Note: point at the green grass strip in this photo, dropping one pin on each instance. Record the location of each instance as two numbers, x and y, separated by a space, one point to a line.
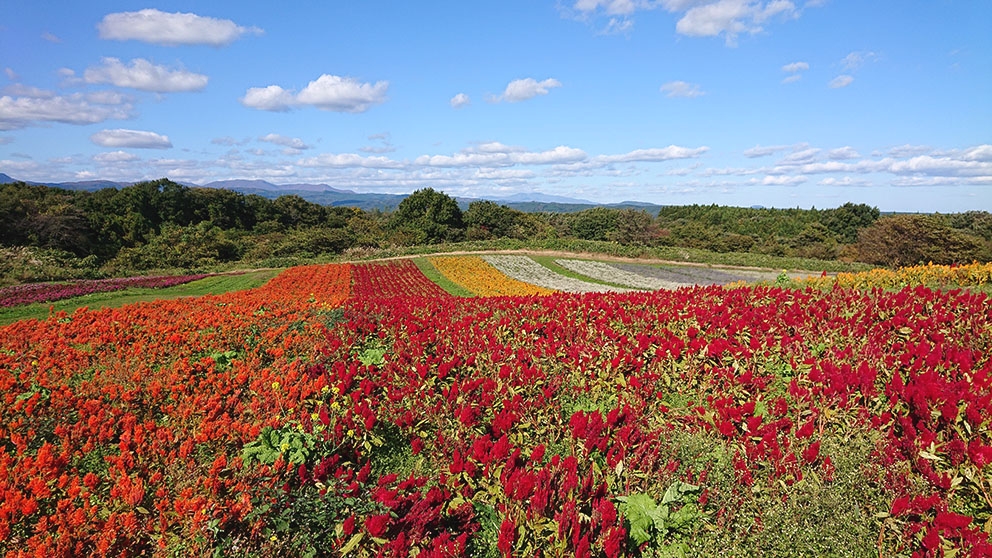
431 272
218 284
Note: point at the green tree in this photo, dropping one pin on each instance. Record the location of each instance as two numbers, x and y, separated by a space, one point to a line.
848 219
594 224
635 227
429 215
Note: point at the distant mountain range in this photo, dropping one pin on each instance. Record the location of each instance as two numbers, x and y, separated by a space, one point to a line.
531 202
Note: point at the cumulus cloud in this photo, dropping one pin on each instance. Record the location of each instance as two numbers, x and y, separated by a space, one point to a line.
350 160
115 157
27 106
142 74
783 180
171 29
844 181
491 157
841 81
460 100
328 92
271 98
528 88
682 89
841 153
291 143
131 138
907 150
731 18
800 156
763 151
697 18
653 155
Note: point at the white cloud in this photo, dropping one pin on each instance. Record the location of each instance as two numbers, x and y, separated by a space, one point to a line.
349 160
272 98
131 138
795 70
50 37
528 88
682 89
171 29
855 60
800 156
654 154
841 81
291 143
907 150
764 151
731 18
460 100
328 92
228 140
115 157
846 152
4 140
497 155
342 94
978 153
142 74
618 25
783 180
27 106
697 18
844 181
794 67
11 74
497 147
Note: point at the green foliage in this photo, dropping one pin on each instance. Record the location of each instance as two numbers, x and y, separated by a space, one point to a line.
662 524
294 445
907 240
428 216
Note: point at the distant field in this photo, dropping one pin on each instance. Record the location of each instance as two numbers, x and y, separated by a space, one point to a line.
217 284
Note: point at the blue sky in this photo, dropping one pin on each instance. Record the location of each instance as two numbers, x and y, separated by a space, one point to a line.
766 102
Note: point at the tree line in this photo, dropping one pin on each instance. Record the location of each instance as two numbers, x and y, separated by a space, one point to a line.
162 224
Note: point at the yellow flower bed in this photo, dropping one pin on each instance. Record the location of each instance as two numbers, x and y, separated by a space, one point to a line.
930 275
476 275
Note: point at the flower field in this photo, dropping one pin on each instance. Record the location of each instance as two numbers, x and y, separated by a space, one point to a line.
482 279
523 268
936 276
50 292
606 272
359 410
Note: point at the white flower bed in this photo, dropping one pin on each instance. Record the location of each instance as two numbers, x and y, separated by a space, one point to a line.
522 268
610 274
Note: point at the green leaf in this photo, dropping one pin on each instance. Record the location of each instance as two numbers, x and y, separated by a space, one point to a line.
352 543
676 491
639 511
